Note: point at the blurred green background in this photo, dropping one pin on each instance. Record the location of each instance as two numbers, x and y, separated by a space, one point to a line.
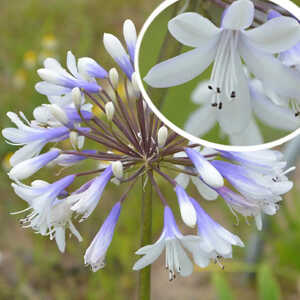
31 267
156 48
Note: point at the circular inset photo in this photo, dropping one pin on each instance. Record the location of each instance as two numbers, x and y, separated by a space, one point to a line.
225 72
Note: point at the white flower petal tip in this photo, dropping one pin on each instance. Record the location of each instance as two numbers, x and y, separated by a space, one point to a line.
109 110
181 68
162 136
276 35
117 169
239 15
208 173
192 29
187 209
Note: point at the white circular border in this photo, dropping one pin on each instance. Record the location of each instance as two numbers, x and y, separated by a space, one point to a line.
286 4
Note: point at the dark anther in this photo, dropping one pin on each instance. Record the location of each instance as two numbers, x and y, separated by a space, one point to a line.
220 105
297 114
218 90
233 94
210 87
214 104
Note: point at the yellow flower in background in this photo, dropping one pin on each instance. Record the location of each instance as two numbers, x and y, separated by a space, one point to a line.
49 42
19 79
30 59
6 166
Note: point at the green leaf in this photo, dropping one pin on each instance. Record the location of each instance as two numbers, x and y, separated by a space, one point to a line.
223 290
268 287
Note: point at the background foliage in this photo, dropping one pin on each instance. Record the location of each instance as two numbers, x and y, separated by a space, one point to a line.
31 266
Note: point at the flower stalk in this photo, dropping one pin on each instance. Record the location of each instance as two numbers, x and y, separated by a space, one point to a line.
144 281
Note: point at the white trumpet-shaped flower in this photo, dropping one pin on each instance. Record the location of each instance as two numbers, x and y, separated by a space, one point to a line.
226 46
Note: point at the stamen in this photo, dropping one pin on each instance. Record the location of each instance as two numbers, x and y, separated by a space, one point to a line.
224 77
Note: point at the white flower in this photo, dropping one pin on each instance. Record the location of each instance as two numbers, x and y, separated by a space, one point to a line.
33 138
28 167
60 216
86 198
177 261
96 252
216 240
41 196
225 46
58 81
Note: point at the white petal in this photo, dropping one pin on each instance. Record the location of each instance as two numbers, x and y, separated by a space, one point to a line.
60 237
26 152
153 253
250 136
130 37
235 115
113 46
270 70
239 15
181 68
52 64
276 35
202 94
75 231
204 190
183 180
49 89
194 244
191 29
71 64
201 121
273 115
186 266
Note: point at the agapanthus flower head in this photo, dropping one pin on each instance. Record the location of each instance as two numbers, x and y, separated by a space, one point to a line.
126 142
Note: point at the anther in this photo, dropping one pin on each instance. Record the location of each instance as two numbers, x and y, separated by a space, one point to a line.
218 90
214 104
233 94
220 105
210 87
297 114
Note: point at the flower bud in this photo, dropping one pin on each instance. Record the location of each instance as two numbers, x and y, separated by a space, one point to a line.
109 110
132 93
162 136
74 139
117 169
59 114
76 97
114 78
135 83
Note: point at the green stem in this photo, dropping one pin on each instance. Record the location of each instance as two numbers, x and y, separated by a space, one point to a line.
144 282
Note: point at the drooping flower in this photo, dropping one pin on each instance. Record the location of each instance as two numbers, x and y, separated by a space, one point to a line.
60 215
226 46
216 240
171 239
41 196
96 252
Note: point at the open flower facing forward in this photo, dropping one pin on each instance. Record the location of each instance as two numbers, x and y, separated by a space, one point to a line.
227 47
124 143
